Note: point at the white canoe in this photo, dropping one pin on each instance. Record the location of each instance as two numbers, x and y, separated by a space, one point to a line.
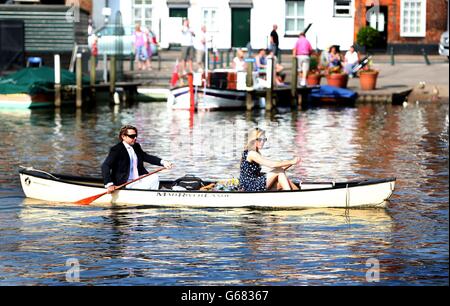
64 188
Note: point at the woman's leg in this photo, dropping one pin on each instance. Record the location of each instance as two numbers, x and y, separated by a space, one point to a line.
272 181
277 177
293 186
284 182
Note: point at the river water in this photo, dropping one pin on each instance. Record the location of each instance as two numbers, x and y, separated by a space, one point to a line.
405 244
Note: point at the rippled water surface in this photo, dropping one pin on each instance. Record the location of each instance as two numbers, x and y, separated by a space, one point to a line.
173 246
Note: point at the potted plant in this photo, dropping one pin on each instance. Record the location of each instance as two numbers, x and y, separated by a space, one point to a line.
368 77
336 77
313 77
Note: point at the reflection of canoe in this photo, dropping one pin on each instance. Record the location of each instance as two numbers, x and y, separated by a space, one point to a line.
63 188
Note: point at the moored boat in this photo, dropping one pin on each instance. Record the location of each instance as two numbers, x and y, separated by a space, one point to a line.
34 88
51 187
224 89
207 98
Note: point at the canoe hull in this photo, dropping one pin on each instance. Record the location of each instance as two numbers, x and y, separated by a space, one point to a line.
369 193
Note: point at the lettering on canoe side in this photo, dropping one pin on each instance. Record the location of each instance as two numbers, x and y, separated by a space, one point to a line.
28 182
191 195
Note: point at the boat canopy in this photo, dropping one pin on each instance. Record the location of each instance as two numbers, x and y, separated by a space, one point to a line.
35 80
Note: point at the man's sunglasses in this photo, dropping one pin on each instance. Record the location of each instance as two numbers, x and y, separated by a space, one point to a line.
132 136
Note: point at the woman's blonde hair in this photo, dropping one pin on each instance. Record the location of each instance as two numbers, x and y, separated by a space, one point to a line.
137 27
252 136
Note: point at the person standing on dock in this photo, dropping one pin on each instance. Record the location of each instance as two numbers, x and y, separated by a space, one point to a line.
200 49
139 47
302 51
148 48
274 41
125 162
187 47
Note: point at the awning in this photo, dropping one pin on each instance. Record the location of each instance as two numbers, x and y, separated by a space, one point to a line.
178 3
241 3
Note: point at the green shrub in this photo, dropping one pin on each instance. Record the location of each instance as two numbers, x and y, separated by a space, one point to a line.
368 37
313 63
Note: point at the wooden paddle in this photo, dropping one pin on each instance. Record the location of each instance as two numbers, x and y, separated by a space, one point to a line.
91 199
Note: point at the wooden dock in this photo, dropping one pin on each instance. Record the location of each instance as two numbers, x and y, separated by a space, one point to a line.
394 95
282 96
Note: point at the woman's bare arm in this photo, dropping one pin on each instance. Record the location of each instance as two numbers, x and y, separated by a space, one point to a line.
257 158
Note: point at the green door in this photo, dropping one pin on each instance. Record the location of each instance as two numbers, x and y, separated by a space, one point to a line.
240 27
178 12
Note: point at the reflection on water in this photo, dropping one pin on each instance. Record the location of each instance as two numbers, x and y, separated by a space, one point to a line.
166 246
240 246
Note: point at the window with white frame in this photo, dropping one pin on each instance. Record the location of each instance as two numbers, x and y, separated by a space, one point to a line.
413 18
295 17
342 8
142 12
209 19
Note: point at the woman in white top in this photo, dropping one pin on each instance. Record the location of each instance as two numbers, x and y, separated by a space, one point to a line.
351 60
238 63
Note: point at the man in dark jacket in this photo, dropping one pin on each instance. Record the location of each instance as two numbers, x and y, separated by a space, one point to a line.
125 162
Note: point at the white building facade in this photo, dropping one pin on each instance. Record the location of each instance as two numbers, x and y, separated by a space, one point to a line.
230 23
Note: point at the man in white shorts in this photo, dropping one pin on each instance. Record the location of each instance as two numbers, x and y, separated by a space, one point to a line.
302 51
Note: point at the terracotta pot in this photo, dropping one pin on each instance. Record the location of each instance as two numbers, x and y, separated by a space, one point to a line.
368 80
337 80
313 79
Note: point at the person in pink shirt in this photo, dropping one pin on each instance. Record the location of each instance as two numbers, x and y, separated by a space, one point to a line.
302 51
139 47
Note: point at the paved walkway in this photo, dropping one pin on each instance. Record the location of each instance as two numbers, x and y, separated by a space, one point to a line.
423 78
410 71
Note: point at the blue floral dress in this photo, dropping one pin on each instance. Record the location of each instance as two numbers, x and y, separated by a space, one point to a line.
251 178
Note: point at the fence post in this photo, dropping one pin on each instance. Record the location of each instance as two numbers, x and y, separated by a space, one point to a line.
249 83
112 71
392 56
427 61
79 86
57 80
294 80
270 81
93 72
131 62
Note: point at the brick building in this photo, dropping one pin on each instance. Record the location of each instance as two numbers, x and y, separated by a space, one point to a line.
406 25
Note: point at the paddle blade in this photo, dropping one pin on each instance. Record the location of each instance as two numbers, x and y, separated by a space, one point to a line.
89 200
